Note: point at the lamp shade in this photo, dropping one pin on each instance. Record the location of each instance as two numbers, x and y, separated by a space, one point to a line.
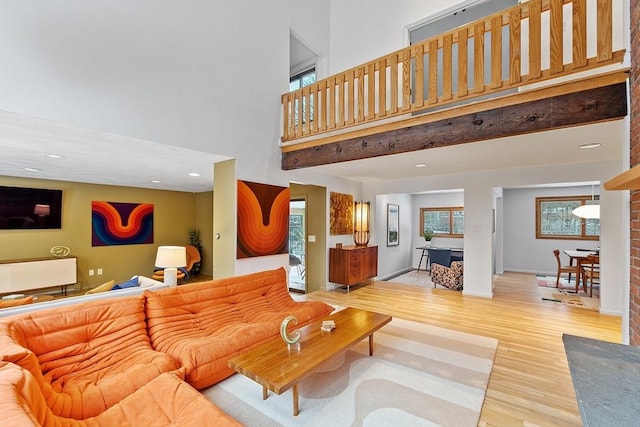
361 223
171 256
587 211
42 210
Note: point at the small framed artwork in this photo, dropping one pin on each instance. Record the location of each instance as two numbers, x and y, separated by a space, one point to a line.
393 225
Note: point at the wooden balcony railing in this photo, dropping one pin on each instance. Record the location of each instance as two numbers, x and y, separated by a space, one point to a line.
480 58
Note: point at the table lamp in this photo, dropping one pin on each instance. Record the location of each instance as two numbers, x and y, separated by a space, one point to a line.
361 223
170 258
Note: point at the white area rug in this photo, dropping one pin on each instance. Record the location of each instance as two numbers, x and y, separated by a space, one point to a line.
419 375
414 277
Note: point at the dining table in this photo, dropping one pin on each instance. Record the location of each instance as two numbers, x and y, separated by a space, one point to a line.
579 257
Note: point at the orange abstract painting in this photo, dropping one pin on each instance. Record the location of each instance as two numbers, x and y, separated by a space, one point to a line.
263 220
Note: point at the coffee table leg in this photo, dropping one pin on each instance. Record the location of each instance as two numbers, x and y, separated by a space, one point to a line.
296 409
265 393
371 345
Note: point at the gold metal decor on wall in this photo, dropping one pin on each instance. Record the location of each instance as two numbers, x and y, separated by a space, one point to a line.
340 213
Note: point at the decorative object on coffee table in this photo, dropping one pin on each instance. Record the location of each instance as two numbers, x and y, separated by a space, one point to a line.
292 341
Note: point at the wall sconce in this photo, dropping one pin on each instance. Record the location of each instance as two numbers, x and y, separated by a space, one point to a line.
361 223
169 258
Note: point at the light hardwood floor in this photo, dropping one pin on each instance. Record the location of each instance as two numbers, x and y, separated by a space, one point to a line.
530 384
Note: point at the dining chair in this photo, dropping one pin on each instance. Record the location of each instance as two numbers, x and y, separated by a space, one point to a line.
591 273
440 256
564 269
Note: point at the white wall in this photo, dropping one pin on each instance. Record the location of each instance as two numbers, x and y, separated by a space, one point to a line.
363 30
396 258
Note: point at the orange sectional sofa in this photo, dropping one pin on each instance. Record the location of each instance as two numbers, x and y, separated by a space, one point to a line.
165 401
205 324
101 362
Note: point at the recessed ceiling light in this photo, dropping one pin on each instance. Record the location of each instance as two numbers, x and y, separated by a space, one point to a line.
591 145
194 174
155 181
33 169
421 165
54 156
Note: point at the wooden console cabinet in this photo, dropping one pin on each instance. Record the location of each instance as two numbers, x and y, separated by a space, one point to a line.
352 264
37 273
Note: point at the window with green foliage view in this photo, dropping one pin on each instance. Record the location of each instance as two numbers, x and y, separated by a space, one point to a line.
555 220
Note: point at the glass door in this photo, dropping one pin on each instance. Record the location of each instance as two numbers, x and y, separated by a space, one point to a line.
297 237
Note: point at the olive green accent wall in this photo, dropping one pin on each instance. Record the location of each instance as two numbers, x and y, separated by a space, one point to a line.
174 216
224 218
204 224
316 257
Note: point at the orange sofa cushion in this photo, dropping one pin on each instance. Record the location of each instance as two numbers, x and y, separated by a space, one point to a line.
164 401
87 357
204 324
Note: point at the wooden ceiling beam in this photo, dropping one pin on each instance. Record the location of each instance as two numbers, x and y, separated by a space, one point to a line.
588 106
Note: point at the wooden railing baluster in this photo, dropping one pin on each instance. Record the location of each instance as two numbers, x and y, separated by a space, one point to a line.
433 72
406 80
579 33
496 52
463 62
514 47
393 82
478 57
604 30
535 47
418 60
447 66
382 88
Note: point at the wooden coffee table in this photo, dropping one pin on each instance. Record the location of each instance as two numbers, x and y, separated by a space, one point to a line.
278 369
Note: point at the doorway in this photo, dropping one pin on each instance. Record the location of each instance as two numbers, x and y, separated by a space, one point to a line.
297 247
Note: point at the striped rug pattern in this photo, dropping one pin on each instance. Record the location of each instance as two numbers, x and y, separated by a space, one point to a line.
419 375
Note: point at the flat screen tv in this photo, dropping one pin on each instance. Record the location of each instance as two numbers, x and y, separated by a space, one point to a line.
23 208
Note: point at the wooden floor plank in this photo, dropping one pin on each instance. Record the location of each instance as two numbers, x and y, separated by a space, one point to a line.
530 383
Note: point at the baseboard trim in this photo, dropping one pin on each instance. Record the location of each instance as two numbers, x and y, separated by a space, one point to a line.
394 274
478 294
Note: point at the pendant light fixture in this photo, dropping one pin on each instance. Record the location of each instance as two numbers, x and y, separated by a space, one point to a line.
590 210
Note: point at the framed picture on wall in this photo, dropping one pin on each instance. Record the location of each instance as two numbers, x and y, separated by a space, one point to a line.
393 225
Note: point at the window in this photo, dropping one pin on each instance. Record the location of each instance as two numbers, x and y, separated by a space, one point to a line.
302 79
554 219
444 222
299 81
